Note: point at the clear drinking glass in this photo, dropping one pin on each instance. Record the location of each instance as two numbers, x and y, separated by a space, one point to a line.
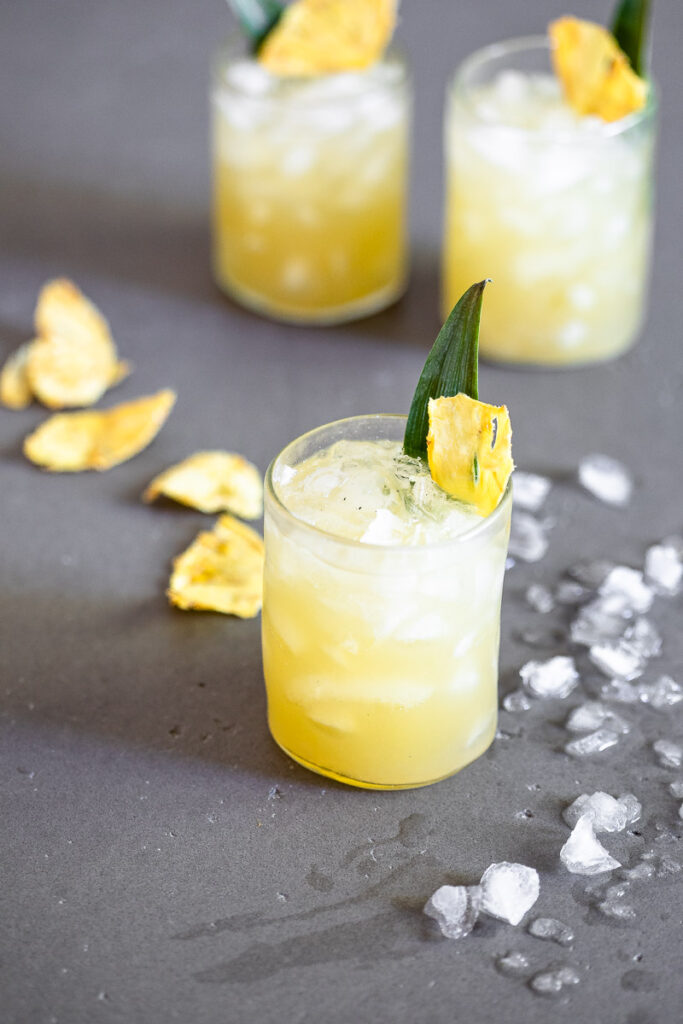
556 208
381 662
310 180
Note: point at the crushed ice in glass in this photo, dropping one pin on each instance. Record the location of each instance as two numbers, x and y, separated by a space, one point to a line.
529 490
664 569
509 891
516 701
606 479
540 598
528 539
592 715
669 754
592 743
455 908
582 854
556 677
552 929
551 983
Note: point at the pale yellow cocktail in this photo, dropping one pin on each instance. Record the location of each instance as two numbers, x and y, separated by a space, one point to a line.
554 206
381 610
309 194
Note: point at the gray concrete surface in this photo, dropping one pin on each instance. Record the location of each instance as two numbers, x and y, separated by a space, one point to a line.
147 876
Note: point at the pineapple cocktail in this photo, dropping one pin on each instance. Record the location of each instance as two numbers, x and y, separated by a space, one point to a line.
309 194
556 206
382 600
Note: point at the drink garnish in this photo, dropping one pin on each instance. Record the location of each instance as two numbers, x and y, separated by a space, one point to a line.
257 18
466 442
313 37
629 28
596 75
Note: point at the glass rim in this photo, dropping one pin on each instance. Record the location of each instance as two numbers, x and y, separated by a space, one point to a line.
234 49
459 87
487 524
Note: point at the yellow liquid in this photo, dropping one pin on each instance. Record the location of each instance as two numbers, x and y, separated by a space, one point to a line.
309 218
562 228
379 679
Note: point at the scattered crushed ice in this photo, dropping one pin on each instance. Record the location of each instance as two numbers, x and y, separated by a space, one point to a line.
606 812
606 479
552 929
662 694
529 490
632 806
455 908
591 574
540 598
617 659
582 854
551 983
556 677
628 584
592 743
664 568
513 963
644 637
640 872
570 592
669 754
602 619
516 701
592 715
509 891
528 539
676 789
620 911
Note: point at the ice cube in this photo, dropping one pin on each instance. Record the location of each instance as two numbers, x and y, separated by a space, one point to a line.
556 677
676 789
629 584
602 619
644 638
606 478
551 983
664 568
455 908
516 701
624 693
606 812
620 911
527 538
540 598
593 743
592 715
668 754
529 490
618 659
662 694
513 963
640 872
582 854
632 807
552 929
509 891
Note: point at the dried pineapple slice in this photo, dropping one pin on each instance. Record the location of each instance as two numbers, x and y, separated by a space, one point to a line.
94 439
221 571
15 390
317 36
469 450
73 361
595 73
213 481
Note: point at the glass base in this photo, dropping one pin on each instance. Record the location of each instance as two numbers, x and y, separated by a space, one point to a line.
363 784
321 317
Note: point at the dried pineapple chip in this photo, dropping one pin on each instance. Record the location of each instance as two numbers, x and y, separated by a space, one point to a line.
212 482
73 361
595 73
94 439
317 36
469 450
15 391
221 571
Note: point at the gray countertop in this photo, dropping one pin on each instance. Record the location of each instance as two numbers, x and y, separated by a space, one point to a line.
161 858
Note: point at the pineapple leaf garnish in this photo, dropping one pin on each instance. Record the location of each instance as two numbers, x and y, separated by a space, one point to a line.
629 28
451 367
256 18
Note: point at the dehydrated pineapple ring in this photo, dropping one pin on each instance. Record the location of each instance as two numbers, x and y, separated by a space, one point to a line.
213 481
317 36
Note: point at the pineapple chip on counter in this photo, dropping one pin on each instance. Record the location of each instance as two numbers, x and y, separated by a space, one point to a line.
73 359
94 439
15 390
221 571
212 481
